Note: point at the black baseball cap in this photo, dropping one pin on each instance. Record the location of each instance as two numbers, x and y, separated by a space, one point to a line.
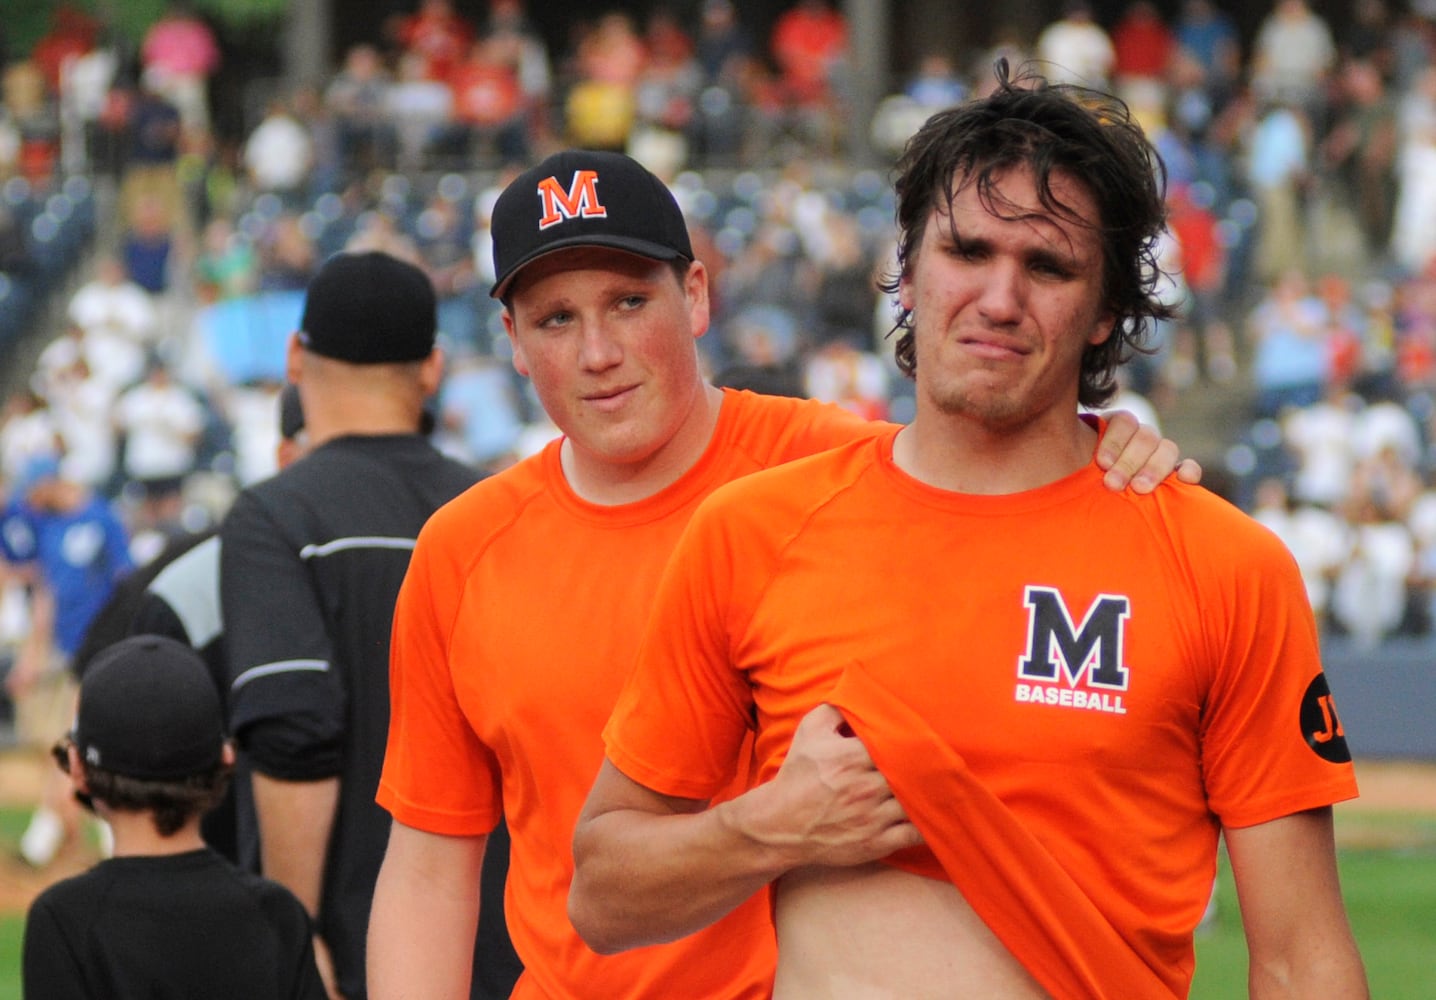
150 710
369 308
584 198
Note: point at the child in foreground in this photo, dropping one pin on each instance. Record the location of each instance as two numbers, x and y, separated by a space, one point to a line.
166 916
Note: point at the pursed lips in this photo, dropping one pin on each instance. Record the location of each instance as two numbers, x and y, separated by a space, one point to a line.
610 398
992 347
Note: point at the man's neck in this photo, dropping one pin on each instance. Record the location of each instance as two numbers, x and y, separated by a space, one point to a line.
966 457
611 483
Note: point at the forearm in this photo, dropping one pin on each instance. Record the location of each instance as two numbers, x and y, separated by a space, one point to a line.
295 822
425 917
1298 935
1333 971
643 879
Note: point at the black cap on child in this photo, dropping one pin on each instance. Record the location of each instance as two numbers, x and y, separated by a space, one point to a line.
149 709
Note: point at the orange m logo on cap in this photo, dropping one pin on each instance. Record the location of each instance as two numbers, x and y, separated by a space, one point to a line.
580 200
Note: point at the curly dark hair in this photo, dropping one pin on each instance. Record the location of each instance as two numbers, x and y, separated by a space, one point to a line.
1086 134
173 802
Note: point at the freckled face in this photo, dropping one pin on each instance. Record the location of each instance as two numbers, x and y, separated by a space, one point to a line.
607 338
1003 308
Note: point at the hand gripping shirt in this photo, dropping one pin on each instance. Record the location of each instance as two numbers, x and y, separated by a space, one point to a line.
517 623
1119 675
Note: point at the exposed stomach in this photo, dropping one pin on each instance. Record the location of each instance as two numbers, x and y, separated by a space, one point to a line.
876 932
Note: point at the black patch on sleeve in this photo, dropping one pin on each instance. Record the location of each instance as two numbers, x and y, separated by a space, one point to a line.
1320 725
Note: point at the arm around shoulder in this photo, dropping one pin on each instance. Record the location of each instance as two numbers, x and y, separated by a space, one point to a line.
1298 936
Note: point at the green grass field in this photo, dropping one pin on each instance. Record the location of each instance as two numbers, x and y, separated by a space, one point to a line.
1390 894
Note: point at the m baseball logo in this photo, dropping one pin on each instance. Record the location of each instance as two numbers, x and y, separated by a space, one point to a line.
580 200
1087 656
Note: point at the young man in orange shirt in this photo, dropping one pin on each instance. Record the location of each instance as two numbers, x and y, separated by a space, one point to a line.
1000 715
526 596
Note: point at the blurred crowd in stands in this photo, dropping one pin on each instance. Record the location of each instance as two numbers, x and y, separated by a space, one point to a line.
1301 171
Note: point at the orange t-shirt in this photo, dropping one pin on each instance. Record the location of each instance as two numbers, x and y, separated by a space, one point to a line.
516 626
1124 673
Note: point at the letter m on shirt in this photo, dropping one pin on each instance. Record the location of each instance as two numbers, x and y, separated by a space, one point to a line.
1093 648
579 201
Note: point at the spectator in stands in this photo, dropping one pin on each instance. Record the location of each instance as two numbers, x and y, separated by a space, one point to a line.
1422 522
1317 538
1345 327
1412 43
1288 333
162 423
608 60
809 44
1278 168
34 115
226 266
1386 425
1368 36
853 377
439 36
152 153
279 154
525 50
666 101
724 50
1209 36
357 97
1359 153
935 85
287 258
844 293
180 54
1413 241
72 34
1142 45
1205 343
421 110
1369 599
1414 314
81 402
443 238
147 243
1075 48
489 105
27 432
1292 57
721 39
119 321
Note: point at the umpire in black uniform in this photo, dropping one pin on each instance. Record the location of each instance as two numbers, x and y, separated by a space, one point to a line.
310 565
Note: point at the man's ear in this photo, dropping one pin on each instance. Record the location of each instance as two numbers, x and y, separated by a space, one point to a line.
431 372
521 365
77 771
293 355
